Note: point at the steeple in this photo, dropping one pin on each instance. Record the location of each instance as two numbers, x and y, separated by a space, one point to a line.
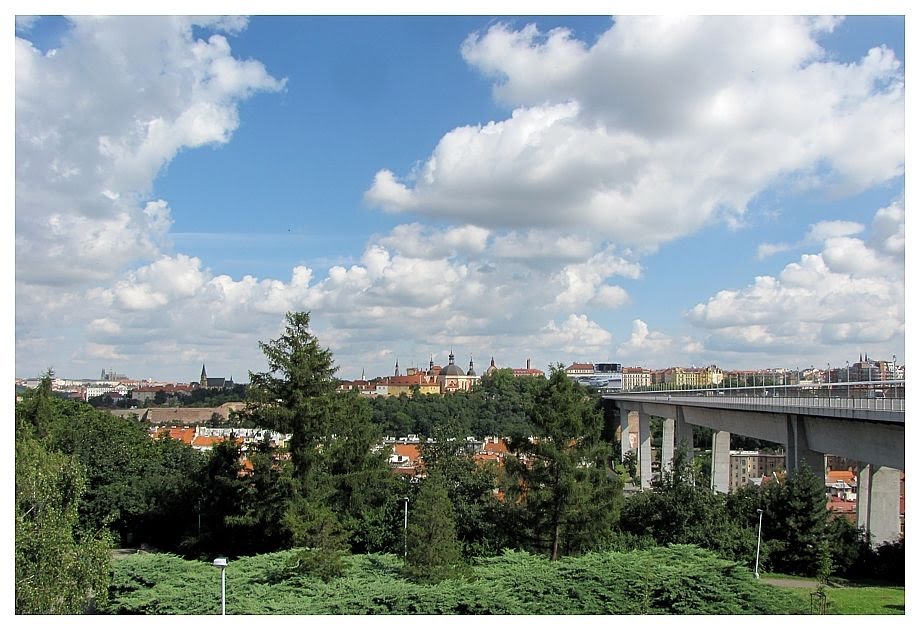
397 367
204 377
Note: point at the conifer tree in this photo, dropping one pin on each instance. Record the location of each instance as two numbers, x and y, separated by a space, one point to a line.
563 494
293 395
433 551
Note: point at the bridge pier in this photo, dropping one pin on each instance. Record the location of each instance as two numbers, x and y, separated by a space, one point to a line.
683 432
721 441
878 503
674 431
645 451
797 447
667 445
629 424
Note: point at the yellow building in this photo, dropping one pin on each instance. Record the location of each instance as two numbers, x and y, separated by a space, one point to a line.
397 385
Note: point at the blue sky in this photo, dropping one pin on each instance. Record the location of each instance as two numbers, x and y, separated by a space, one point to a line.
653 191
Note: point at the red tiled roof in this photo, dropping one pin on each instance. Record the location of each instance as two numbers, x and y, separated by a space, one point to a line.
183 434
410 451
839 506
415 379
208 441
495 447
487 457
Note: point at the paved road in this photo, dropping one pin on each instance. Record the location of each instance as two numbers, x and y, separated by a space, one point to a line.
791 582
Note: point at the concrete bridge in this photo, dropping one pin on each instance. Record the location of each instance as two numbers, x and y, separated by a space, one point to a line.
809 426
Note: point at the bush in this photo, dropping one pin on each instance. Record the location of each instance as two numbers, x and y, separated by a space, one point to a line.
680 579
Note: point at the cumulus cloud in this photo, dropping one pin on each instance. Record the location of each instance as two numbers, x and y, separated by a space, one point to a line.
832 229
655 130
660 127
448 287
644 343
86 158
578 336
852 291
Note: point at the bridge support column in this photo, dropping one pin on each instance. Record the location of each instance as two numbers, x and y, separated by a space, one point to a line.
797 450
683 433
629 425
721 441
645 451
878 503
667 445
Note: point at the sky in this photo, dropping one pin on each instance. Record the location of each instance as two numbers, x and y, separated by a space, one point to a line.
654 191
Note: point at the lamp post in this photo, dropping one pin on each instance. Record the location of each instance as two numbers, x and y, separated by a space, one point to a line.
848 379
757 558
221 563
894 373
406 529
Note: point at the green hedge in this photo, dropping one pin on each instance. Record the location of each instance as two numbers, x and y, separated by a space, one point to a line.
680 579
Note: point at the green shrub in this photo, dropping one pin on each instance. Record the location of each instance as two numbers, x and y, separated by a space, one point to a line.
680 579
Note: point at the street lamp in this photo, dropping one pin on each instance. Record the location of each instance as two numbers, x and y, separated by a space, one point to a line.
406 529
221 563
848 379
757 558
894 373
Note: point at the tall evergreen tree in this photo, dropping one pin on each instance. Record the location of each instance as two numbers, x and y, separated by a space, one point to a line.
796 521
293 395
340 487
563 492
470 487
433 551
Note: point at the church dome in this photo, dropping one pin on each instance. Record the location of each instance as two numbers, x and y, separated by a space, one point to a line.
451 369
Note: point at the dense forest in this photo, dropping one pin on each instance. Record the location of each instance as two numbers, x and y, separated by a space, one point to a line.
87 482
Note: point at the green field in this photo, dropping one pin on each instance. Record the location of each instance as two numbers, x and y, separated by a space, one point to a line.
845 598
860 600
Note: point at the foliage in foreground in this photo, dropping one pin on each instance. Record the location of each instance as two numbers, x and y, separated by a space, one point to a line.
679 579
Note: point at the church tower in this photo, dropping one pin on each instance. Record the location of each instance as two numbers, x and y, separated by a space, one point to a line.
204 377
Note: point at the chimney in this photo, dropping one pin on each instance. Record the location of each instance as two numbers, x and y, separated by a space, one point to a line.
528 364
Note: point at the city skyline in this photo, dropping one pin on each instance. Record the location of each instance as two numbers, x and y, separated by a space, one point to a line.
648 191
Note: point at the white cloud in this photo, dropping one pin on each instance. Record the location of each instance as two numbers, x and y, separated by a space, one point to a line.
86 158
888 230
824 230
661 126
644 344
577 335
425 242
851 292
765 250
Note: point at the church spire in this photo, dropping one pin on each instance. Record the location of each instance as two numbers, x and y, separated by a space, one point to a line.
397 367
204 377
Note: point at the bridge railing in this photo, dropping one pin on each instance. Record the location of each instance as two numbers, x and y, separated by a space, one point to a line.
867 404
